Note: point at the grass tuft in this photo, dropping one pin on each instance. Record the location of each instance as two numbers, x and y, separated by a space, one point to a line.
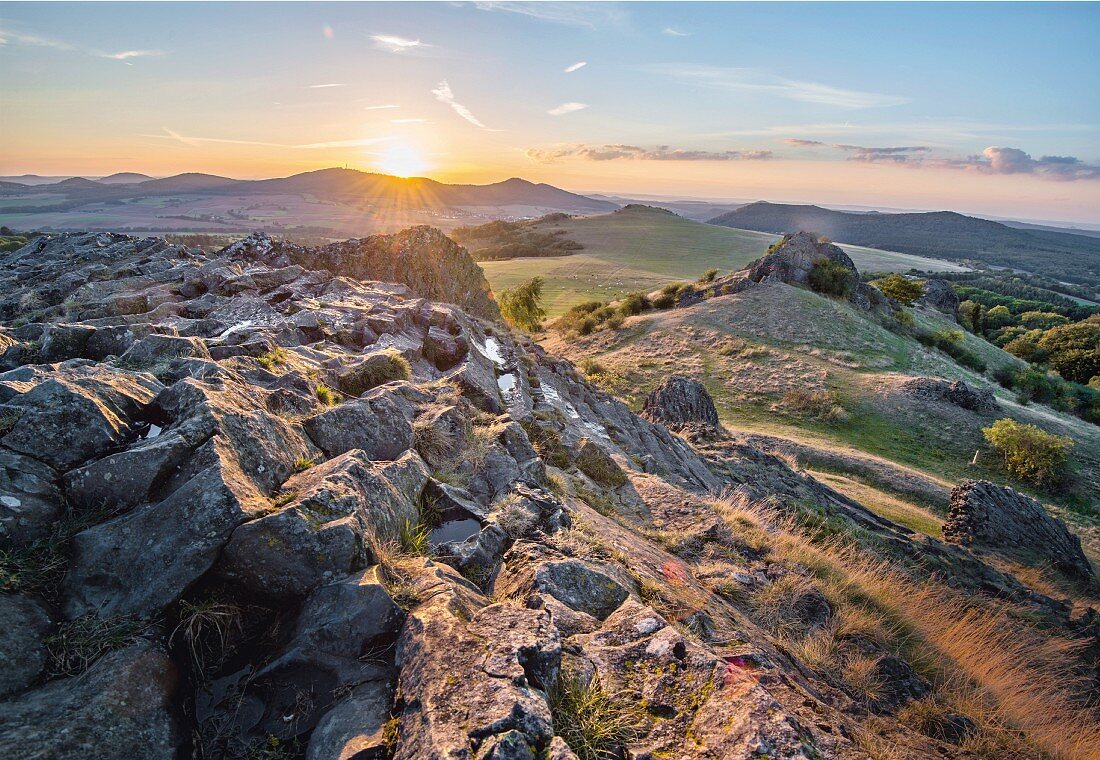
595 723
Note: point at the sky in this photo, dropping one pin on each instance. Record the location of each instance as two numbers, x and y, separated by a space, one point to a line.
982 108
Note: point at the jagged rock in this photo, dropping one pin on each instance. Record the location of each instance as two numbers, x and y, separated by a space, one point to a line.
30 500
67 415
339 509
423 258
122 707
792 258
467 685
581 587
355 729
378 423
152 349
957 393
680 401
939 295
24 624
349 617
141 561
998 519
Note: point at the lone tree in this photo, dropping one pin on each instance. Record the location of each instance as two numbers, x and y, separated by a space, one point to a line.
1029 453
521 306
901 289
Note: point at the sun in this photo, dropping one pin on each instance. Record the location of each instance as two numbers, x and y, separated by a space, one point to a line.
402 161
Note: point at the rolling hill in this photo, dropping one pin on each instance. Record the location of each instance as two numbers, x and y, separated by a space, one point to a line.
642 248
937 234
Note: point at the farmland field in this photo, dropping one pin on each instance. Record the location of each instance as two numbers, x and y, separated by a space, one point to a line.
642 248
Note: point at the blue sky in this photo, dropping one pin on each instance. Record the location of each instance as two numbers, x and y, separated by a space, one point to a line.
984 107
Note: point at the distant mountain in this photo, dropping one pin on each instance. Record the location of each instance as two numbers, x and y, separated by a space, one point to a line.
937 234
339 185
345 183
124 178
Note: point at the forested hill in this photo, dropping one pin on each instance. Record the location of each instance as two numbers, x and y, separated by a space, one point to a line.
939 234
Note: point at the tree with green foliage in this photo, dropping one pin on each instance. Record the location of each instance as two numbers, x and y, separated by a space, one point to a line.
901 289
521 306
1042 320
1029 453
1074 350
998 316
972 316
831 278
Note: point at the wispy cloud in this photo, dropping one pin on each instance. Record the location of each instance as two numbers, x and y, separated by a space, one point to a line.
127 54
575 67
672 31
409 121
754 80
33 40
587 15
326 86
395 44
565 108
639 153
190 140
381 107
799 143
444 94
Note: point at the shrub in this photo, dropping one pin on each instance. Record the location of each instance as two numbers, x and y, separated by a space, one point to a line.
1074 350
1030 454
272 358
376 369
326 395
1005 376
634 303
664 301
708 276
521 306
950 342
901 289
831 278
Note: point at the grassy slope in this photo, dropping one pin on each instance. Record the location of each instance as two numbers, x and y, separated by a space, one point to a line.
750 348
644 248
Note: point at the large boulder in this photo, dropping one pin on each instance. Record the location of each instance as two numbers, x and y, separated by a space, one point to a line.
121 708
24 623
792 258
429 262
680 401
951 392
30 500
939 295
65 416
337 511
377 423
998 519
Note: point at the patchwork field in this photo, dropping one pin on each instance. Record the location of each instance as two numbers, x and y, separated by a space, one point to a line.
642 248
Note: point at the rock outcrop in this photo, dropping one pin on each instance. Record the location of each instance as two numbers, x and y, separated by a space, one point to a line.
429 262
254 503
680 401
792 258
939 295
993 518
951 392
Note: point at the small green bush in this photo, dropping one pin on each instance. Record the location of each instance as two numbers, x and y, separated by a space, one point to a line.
901 289
664 301
831 278
708 276
1030 454
634 303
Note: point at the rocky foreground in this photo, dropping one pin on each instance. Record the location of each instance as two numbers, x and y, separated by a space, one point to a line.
282 502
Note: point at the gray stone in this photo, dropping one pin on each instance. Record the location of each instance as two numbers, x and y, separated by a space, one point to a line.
30 500
24 623
680 401
121 708
998 519
377 423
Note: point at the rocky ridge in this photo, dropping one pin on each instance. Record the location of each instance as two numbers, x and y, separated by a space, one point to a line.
249 507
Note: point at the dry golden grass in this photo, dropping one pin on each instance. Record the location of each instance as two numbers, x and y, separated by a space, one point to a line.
1018 678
